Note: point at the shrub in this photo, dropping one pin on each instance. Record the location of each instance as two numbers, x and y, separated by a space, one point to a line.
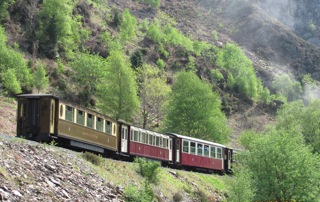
149 169
161 64
136 59
132 193
94 159
178 197
152 3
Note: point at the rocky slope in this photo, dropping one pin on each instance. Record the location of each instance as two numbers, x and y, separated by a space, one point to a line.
34 172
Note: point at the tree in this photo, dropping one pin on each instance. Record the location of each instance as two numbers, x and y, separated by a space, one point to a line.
232 58
194 110
12 59
153 93
89 70
127 26
287 87
302 119
284 167
10 82
239 186
55 32
4 5
40 80
118 90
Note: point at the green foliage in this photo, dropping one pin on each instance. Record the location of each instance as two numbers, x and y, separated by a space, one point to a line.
216 75
194 110
10 81
40 80
232 58
240 186
56 32
152 3
287 87
89 70
12 59
153 93
92 158
161 64
214 35
311 26
302 119
127 26
191 66
149 169
283 167
132 194
116 17
136 59
118 89
4 5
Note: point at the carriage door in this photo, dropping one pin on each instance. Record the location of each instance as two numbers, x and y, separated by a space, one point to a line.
170 149
178 150
124 139
229 159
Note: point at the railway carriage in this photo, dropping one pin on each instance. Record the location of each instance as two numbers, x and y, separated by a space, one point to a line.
45 117
150 144
200 154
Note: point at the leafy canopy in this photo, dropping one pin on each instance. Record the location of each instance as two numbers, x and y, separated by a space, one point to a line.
89 70
118 89
41 81
297 117
194 110
153 93
283 166
245 81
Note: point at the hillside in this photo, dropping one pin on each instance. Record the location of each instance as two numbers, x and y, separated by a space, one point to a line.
40 172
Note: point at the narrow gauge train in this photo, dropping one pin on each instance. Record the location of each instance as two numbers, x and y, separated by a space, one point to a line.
45 117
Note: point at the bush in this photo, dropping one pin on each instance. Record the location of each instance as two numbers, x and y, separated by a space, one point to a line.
152 3
178 197
92 158
148 169
161 64
143 195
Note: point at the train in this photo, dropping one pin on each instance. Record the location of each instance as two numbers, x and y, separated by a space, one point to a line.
46 117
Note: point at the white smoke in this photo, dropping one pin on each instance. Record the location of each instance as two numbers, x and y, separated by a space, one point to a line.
311 93
283 10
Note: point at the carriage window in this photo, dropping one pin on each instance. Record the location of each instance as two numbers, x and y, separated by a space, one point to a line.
206 150
99 124
131 135
200 149
80 117
61 111
157 141
185 146
114 129
154 140
212 152
144 137
150 139
69 113
90 120
219 153
192 148
108 127
165 143
161 142
140 137
136 135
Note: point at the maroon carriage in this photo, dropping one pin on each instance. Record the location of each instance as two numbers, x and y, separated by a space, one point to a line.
200 154
144 143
